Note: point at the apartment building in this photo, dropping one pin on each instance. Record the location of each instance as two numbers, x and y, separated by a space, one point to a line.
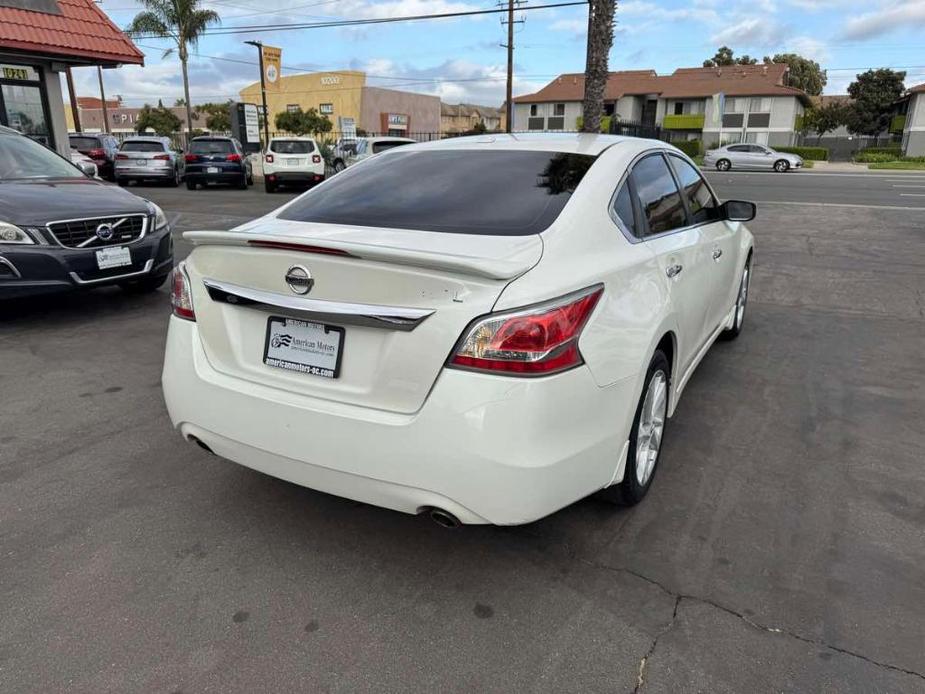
740 103
910 121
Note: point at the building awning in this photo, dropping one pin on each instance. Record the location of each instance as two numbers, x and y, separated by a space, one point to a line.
73 31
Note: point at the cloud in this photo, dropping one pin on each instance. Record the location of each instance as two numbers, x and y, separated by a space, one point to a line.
575 26
758 32
892 17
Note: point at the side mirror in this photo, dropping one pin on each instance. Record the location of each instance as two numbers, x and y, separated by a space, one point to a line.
88 169
738 211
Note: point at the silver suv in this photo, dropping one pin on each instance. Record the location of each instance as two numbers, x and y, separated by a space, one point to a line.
149 158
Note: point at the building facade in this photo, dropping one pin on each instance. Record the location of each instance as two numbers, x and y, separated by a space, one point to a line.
37 45
345 95
122 119
741 103
462 118
911 121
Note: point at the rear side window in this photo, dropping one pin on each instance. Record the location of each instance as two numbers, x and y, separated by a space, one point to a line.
292 146
382 146
658 193
142 147
700 200
623 208
739 148
85 142
497 192
211 147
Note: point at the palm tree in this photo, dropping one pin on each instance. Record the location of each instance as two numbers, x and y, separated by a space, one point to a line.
181 20
600 40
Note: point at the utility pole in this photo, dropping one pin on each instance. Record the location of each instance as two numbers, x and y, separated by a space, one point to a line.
75 112
509 107
263 93
99 73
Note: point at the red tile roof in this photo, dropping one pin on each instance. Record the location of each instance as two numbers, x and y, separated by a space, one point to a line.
919 89
96 102
693 82
82 30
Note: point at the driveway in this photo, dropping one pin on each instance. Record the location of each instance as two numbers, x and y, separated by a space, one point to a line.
781 548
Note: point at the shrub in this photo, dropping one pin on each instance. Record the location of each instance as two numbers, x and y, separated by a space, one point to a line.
691 148
868 157
809 153
892 149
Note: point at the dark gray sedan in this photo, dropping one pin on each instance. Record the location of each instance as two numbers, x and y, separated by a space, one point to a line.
751 156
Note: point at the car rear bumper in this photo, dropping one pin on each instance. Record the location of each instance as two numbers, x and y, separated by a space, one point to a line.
294 176
485 448
31 270
144 171
223 176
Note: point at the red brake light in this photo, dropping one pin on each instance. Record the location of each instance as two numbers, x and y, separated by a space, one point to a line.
283 246
533 341
269 158
233 157
181 298
121 156
316 158
191 157
97 153
162 157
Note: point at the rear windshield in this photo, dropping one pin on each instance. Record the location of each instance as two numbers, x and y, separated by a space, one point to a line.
142 147
211 147
85 142
499 193
292 146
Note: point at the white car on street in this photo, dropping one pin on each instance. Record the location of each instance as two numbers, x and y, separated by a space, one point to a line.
292 161
484 329
349 152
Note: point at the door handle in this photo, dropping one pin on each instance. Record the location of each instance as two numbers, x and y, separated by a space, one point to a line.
717 253
673 270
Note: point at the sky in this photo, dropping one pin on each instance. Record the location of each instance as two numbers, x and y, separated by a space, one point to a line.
461 60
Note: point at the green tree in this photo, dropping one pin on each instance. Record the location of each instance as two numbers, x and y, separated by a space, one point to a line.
874 92
158 118
725 56
600 41
804 73
824 119
299 122
184 22
218 116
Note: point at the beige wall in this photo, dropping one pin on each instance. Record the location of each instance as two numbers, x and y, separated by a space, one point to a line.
343 90
423 111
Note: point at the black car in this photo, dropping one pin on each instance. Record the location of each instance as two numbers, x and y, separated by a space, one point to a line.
61 230
217 160
100 147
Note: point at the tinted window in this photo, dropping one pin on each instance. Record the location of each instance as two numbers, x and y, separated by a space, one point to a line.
739 148
661 202
497 192
292 146
211 147
623 207
382 146
700 200
21 157
142 147
85 142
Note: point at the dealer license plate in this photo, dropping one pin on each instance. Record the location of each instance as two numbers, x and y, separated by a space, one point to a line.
116 256
310 348
141 162
211 169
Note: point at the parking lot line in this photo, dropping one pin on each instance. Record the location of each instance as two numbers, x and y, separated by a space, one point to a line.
840 204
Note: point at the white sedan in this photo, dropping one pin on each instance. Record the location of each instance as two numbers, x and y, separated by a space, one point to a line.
484 329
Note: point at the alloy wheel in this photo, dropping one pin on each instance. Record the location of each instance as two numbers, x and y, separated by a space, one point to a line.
743 297
723 165
781 166
651 426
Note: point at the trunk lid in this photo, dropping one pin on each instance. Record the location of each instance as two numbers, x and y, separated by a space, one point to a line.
451 277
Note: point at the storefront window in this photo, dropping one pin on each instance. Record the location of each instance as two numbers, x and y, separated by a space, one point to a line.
22 103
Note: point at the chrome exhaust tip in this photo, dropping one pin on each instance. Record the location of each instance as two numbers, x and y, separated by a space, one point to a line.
444 519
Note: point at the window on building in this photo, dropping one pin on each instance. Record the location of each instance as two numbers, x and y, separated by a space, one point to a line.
734 105
326 109
759 104
533 109
555 123
608 109
292 108
558 110
679 108
535 123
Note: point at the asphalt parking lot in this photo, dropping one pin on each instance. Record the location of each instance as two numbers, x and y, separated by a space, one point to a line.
781 548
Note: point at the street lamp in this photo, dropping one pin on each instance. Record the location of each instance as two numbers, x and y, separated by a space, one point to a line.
263 92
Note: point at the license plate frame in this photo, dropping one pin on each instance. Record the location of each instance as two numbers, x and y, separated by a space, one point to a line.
212 169
308 329
113 256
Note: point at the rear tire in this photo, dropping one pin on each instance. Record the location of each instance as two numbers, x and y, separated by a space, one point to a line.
242 184
339 166
122 182
723 165
190 185
648 430
269 187
175 181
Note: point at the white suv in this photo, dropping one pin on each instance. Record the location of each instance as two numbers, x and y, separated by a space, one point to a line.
292 160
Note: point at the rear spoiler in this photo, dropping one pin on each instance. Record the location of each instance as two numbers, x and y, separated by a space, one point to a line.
505 257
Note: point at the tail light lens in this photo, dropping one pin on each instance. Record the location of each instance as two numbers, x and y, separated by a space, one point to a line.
191 158
269 158
162 157
316 158
233 157
534 341
181 298
97 153
121 156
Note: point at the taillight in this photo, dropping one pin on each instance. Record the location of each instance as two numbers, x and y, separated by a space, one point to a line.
233 157
97 153
161 157
269 158
121 156
191 158
537 340
316 158
181 298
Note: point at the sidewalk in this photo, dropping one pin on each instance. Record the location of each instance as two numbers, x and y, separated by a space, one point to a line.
851 167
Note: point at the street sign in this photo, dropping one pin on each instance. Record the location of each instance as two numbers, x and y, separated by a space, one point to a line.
245 125
347 127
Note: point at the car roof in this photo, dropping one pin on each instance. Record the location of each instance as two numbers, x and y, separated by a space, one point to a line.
211 137
570 143
292 137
